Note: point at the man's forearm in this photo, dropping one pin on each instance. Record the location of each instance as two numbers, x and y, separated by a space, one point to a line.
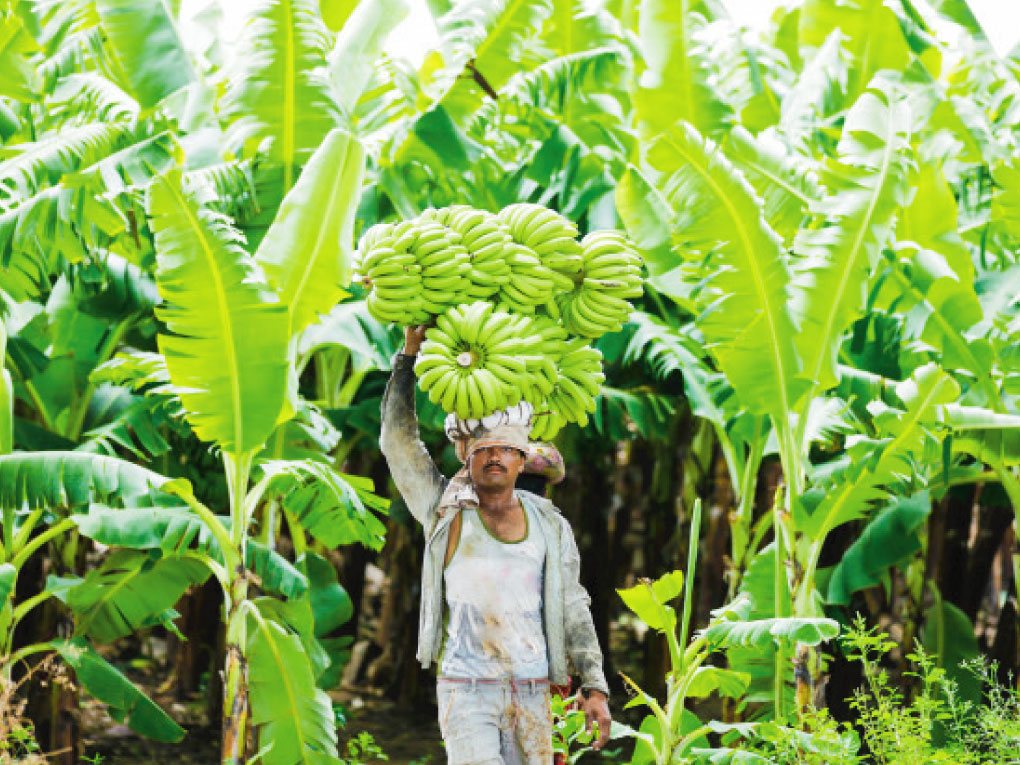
415 474
584 652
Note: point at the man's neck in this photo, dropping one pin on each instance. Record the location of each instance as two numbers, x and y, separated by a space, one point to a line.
497 502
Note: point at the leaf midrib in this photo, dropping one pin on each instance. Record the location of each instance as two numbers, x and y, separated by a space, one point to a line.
288 686
953 337
891 449
289 88
497 30
222 313
851 261
767 307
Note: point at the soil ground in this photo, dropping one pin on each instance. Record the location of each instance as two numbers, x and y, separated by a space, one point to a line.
405 735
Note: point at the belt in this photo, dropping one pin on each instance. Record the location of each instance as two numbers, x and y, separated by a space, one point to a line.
476 681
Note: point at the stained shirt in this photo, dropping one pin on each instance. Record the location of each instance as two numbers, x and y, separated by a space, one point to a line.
494 599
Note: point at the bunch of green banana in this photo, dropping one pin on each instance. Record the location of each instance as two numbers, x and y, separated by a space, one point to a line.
444 263
415 269
573 397
545 424
471 361
552 237
610 273
530 284
485 238
392 275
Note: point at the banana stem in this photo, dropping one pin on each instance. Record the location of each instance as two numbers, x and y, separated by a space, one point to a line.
235 690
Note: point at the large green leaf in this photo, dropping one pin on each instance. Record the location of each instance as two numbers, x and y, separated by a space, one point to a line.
358 47
26 167
58 480
575 26
764 632
989 436
866 190
126 703
276 574
306 252
869 31
888 539
707 679
292 717
118 418
756 602
675 86
648 600
1006 205
851 493
227 354
646 215
349 325
482 46
331 605
747 318
17 75
144 49
278 89
169 529
131 590
930 220
327 504
787 184
6 411
938 309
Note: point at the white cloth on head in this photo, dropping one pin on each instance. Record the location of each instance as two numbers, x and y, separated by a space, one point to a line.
458 429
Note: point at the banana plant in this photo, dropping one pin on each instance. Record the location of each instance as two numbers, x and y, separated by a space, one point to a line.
44 497
671 732
229 358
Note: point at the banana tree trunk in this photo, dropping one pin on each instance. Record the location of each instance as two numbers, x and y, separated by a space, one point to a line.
235 692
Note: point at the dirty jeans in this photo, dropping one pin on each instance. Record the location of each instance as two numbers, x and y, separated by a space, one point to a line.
495 722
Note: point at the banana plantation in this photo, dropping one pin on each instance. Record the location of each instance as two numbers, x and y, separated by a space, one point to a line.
794 481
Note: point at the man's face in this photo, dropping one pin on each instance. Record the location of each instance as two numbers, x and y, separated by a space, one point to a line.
495 468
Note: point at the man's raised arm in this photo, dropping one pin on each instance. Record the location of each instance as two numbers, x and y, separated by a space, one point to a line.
417 478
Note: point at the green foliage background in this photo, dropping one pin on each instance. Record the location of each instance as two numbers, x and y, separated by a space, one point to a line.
830 214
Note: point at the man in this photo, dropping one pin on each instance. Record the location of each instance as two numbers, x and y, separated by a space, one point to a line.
502 608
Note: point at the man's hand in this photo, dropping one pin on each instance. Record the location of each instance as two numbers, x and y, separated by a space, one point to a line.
413 337
596 710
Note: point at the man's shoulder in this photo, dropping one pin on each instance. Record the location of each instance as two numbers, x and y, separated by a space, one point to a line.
539 502
547 510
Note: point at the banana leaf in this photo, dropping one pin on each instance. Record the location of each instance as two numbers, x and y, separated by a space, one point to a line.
58 480
277 87
145 45
126 703
8 577
747 320
226 346
675 87
131 590
293 719
889 538
336 509
359 46
306 252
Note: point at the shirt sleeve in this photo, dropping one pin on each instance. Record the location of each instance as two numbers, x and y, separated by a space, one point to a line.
417 478
581 640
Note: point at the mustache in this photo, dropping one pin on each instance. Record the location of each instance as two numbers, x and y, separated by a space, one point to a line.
493 464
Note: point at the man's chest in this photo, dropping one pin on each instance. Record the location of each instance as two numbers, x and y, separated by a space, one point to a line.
495 574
